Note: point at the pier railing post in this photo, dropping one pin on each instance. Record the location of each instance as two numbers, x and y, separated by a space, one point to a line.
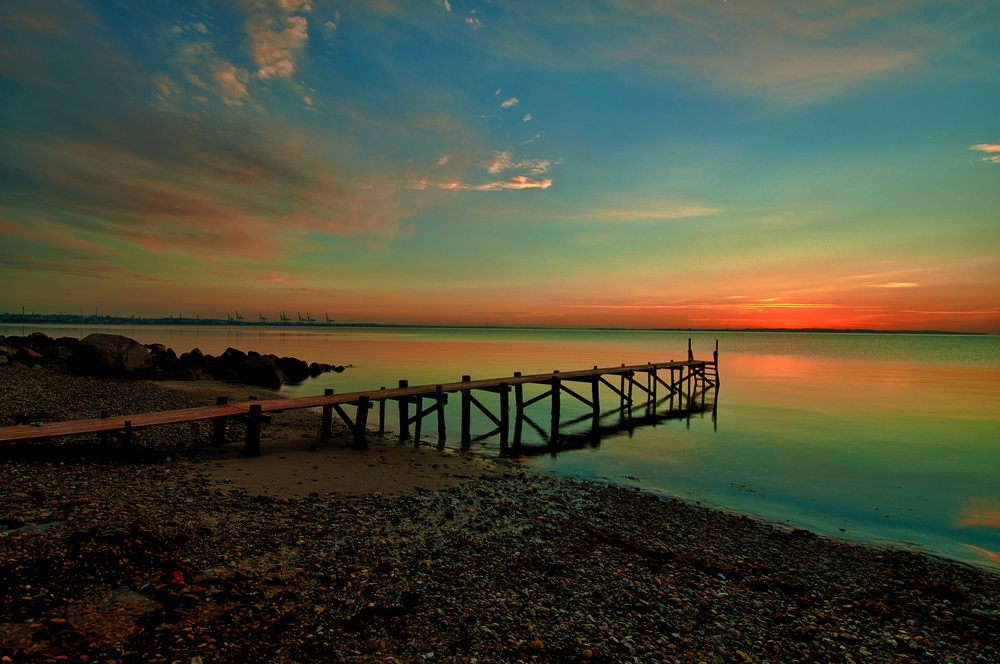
595 400
326 427
251 447
418 418
466 414
404 414
219 424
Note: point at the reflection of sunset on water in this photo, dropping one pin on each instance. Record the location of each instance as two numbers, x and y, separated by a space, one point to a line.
992 555
981 511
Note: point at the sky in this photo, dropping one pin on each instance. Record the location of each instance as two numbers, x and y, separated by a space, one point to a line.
618 163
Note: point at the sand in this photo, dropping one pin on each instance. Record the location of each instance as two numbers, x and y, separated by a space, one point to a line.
295 462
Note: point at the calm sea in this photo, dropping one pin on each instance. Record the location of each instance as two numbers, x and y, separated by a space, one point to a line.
880 438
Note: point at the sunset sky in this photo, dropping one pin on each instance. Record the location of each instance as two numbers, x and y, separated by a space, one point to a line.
698 163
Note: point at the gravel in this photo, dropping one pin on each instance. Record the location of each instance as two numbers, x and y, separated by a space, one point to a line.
128 557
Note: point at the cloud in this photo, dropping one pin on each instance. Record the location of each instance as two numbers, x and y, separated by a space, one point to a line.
77 266
275 43
989 147
473 22
513 182
443 3
526 117
230 81
510 102
503 161
896 284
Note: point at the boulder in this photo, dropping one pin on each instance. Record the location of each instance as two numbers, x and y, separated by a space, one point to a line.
261 370
110 355
295 370
233 358
28 357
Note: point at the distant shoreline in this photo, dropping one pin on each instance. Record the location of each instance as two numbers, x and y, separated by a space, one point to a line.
73 319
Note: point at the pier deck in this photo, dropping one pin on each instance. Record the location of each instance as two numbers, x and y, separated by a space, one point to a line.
685 373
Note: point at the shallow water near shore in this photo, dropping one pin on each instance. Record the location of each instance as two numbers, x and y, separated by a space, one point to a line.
882 438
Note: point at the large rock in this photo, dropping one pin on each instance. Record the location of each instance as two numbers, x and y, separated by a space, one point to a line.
261 370
110 355
295 370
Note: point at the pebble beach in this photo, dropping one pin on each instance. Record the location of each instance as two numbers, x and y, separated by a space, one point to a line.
170 550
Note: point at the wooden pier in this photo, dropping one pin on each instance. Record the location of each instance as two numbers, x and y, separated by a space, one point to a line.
650 384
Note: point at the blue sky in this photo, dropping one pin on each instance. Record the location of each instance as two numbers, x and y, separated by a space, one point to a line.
704 163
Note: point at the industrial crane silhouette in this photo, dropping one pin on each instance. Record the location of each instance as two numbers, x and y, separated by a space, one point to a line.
284 318
309 319
263 318
328 320
239 319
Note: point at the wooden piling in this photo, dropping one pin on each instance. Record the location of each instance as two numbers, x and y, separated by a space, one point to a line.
466 414
556 389
381 414
326 427
504 416
251 446
440 397
361 423
105 414
404 414
219 424
518 410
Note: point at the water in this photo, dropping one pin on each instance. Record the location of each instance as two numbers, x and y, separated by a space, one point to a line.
880 438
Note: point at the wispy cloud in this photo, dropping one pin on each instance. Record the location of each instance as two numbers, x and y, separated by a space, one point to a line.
526 117
510 102
896 284
989 147
77 266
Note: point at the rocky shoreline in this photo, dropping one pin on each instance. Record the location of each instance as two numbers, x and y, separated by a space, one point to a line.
127 555
118 356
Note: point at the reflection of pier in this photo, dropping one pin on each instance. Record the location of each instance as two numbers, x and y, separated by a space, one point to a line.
679 383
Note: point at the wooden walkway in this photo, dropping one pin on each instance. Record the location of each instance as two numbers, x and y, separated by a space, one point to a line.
653 382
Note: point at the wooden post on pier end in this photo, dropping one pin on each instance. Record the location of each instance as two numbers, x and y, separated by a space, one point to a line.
326 426
631 379
690 354
440 398
466 414
251 447
361 424
219 424
518 410
595 400
127 433
381 414
404 414
556 411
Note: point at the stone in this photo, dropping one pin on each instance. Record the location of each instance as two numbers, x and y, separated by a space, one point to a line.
110 355
28 357
261 370
232 358
295 370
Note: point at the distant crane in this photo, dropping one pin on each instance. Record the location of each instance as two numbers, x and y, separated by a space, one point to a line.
301 319
309 319
239 319
328 319
263 318
284 318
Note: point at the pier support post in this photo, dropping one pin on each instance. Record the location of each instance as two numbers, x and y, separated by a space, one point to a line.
504 416
690 354
404 414
518 410
381 414
440 398
361 424
595 400
466 414
326 426
251 447
556 389
219 424
105 414
418 420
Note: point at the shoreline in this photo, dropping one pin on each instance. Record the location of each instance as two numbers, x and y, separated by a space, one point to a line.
121 555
